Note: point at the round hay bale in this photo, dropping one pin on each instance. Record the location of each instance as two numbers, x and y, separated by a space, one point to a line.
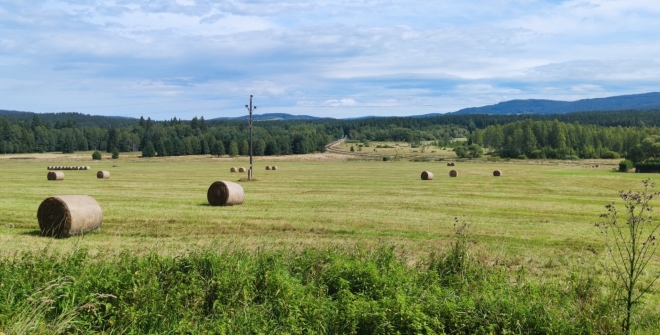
241 169
49 168
88 167
273 167
427 175
267 167
451 164
225 193
103 174
233 169
68 215
453 173
55 175
497 173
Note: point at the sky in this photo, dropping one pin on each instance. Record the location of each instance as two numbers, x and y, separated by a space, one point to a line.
339 58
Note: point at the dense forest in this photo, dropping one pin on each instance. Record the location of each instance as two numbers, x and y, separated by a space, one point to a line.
631 134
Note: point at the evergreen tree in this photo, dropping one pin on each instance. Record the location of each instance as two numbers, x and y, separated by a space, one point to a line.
149 150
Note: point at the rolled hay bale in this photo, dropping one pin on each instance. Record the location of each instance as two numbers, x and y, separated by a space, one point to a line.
68 215
49 168
233 169
427 175
241 169
225 193
453 173
103 174
497 173
267 167
55 175
451 164
273 167
88 167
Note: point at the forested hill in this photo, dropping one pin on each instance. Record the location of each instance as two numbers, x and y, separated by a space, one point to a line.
644 101
79 119
269 117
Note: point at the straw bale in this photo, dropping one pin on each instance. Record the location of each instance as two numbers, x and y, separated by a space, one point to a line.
267 167
241 169
451 164
233 169
103 174
68 215
88 167
497 173
273 167
49 168
427 175
55 175
225 193
453 173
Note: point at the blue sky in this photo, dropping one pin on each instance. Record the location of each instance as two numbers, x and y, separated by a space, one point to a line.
340 58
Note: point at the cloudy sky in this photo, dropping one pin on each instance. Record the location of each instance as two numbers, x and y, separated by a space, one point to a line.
338 58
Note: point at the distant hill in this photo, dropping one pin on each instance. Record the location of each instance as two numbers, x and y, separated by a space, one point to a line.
81 120
269 117
644 101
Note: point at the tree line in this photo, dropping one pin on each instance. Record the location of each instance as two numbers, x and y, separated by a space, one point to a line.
587 135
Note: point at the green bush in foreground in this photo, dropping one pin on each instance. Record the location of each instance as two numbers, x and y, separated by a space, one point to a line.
310 291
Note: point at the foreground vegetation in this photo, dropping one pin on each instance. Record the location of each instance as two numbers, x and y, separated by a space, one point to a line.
313 291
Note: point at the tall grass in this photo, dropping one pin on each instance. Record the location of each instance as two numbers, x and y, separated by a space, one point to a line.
311 291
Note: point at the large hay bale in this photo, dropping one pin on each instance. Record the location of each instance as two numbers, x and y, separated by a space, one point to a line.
225 193
241 169
55 175
68 215
88 167
49 168
103 174
233 169
273 167
427 175
497 173
451 164
453 173
267 167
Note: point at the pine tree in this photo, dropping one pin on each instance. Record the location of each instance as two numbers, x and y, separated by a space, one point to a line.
149 150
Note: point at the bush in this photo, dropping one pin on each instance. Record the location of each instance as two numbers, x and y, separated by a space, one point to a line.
625 165
522 156
386 158
97 156
610 155
572 157
536 154
115 153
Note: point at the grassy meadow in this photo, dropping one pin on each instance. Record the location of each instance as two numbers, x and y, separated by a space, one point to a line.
533 210
320 225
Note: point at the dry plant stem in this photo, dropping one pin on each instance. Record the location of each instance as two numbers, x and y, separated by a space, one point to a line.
632 247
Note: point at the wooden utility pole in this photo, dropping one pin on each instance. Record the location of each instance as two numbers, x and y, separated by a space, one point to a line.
250 109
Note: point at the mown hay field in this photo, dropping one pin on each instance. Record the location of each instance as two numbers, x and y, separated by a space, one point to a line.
538 213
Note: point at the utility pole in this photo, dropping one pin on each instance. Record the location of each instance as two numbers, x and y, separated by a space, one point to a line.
250 108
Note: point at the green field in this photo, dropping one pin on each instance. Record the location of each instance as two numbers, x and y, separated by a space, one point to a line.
535 210
317 227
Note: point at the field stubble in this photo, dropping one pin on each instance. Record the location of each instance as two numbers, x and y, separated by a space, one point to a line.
534 211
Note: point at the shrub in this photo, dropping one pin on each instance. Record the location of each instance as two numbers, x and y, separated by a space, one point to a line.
610 155
522 156
115 153
625 165
97 156
386 158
